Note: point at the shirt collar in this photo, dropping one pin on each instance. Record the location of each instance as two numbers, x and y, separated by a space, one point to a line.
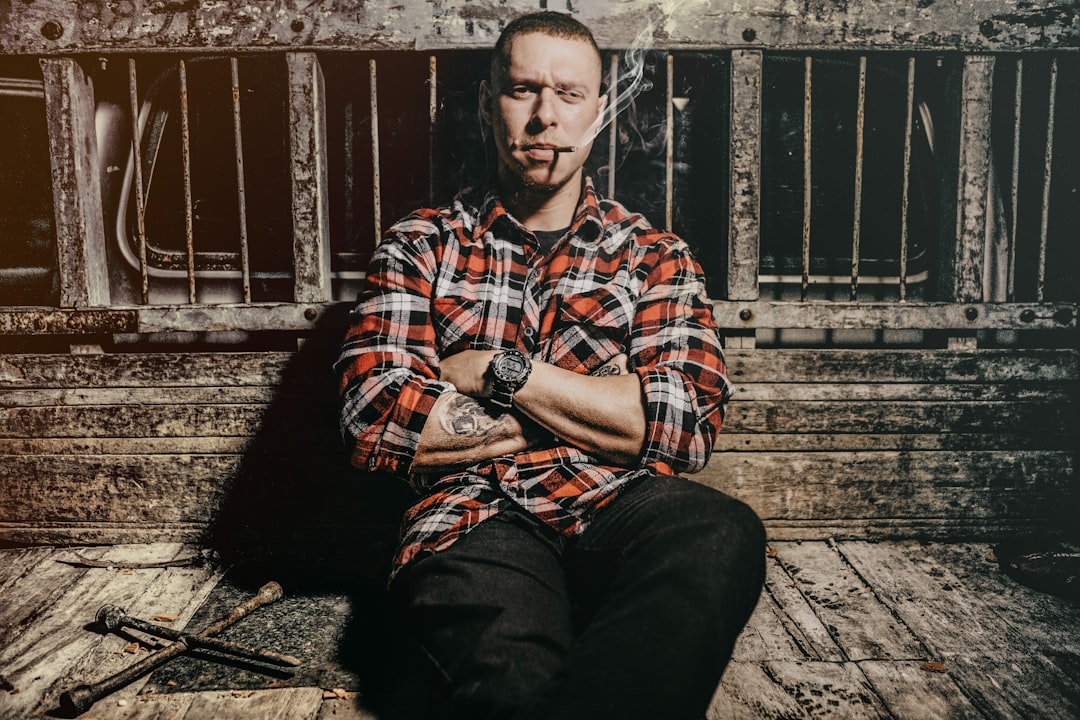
588 222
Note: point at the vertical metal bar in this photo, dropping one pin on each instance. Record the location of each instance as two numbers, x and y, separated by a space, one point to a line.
375 185
241 202
807 177
856 225
185 152
1014 188
744 173
140 201
433 111
1047 170
669 160
613 136
906 188
349 166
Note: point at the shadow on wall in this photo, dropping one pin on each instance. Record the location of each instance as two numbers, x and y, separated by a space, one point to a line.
296 507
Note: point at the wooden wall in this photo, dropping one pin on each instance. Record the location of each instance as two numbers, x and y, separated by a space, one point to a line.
849 443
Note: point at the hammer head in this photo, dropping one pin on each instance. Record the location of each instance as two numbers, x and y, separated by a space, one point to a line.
110 616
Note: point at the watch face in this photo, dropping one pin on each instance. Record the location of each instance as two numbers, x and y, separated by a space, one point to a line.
511 366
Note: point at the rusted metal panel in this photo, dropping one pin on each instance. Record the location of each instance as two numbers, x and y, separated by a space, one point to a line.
924 316
80 227
744 228
310 184
56 26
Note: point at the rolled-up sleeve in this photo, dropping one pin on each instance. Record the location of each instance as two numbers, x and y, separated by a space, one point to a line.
388 366
675 349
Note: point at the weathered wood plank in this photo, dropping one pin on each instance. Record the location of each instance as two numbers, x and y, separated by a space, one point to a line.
344 708
766 365
962 486
1001 668
178 592
102 533
80 227
125 446
901 416
742 314
798 618
968 314
748 692
944 529
46 648
143 370
257 396
1046 620
744 223
788 416
131 421
863 627
888 366
1059 393
765 636
32 590
277 704
998 25
829 690
764 442
308 178
113 488
911 693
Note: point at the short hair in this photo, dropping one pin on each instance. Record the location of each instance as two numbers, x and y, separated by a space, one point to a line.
547 22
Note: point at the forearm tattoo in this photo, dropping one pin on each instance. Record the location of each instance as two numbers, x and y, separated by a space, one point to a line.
606 371
465 417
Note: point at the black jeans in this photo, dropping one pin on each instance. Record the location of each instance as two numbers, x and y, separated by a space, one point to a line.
635 618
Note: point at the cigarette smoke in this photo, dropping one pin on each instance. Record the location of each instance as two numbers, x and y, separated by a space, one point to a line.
631 75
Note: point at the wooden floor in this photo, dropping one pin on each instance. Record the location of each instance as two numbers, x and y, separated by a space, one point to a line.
844 630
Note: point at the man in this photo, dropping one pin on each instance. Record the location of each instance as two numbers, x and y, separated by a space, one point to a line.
540 363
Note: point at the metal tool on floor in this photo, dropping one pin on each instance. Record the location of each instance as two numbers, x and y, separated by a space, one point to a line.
79 699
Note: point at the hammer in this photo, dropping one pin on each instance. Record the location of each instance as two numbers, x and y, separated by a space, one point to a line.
79 699
113 618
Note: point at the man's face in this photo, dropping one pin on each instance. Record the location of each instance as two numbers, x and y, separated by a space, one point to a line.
549 98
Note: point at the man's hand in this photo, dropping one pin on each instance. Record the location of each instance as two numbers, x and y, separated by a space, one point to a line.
468 372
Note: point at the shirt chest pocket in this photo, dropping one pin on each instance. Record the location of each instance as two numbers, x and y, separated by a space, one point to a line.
591 329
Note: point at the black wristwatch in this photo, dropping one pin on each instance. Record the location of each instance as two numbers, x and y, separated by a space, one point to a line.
509 371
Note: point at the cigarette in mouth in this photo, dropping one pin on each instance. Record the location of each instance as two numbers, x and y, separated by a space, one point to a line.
562 149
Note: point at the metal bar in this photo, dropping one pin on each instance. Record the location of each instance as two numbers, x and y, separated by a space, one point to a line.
744 173
906 187
185 153
349 169
613 136
433 111
140 200
669 159
1040 287
1014 188
376 187
807 175
856 227
241 203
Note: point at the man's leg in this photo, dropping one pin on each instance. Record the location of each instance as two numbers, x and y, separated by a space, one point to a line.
667 576
490 619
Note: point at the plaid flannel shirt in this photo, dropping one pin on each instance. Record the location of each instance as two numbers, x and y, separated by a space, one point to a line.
469 276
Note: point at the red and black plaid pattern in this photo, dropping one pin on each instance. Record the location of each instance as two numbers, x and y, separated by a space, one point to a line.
469 276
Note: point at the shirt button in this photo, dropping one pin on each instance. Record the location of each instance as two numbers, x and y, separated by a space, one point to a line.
529 332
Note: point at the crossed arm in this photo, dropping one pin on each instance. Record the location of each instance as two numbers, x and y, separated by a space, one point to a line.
602 414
